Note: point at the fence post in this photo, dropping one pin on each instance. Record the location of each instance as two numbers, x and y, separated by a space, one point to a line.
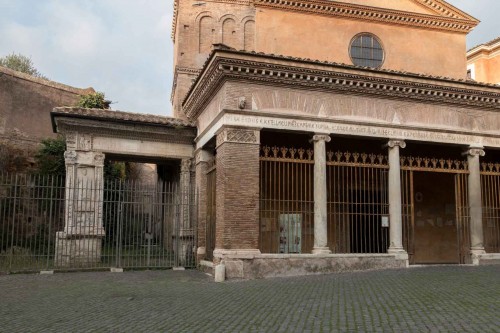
13 224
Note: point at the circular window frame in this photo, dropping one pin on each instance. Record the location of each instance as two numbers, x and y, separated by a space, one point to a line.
377 39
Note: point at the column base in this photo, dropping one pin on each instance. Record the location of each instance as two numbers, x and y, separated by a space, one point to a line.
321 250
475 254
399 252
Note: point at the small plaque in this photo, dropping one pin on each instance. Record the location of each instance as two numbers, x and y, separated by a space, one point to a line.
385 222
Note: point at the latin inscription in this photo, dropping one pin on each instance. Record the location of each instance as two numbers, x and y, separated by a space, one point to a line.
357 129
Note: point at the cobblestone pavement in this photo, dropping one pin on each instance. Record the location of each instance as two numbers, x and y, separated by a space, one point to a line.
426 299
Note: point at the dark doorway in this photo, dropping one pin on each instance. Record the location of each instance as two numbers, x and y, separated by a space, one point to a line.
435 229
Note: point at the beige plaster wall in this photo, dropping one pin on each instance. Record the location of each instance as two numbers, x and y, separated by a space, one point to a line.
327 38
487 68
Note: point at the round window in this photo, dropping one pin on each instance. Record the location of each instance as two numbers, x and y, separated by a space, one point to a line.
366 50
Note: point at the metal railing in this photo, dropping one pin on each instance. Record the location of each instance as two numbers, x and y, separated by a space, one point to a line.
46 225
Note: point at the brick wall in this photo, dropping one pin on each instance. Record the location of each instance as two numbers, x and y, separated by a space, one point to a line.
197 29
25 106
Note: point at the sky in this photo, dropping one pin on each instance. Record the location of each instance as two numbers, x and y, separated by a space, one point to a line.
123 47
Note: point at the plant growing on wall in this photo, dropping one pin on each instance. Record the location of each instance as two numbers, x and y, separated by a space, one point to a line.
95 100
21 63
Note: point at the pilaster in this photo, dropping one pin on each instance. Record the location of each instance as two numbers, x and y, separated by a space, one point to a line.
237 160
80 241
202 158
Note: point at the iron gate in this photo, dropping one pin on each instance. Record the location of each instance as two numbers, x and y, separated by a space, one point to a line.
458 170
490 185
143 223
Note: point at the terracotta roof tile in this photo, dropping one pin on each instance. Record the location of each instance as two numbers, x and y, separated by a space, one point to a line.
101 114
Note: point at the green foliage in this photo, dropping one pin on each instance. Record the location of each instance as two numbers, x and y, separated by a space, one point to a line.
114 170
93 101
50 157
21 63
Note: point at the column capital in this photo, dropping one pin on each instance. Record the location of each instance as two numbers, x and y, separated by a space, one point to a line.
321 137
202 156
86 157
186 165
396 142
99 159
238 135
475 151
70 156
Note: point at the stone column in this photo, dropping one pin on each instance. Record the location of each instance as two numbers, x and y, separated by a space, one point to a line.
183 231
203 157
320 195
395 209
79 244
237 197
475 203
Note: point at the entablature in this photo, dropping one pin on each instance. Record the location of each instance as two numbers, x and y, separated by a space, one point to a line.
265 69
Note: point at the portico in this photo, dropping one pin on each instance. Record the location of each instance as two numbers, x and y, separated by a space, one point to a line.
304 115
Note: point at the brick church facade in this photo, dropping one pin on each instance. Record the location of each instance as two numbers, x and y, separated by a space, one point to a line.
322 136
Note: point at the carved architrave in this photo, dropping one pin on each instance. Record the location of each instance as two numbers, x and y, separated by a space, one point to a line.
238 135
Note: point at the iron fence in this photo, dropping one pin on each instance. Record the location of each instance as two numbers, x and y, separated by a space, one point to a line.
48 225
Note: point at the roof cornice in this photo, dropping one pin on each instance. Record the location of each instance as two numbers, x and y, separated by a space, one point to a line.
443 8
375 14
306 74
485 47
